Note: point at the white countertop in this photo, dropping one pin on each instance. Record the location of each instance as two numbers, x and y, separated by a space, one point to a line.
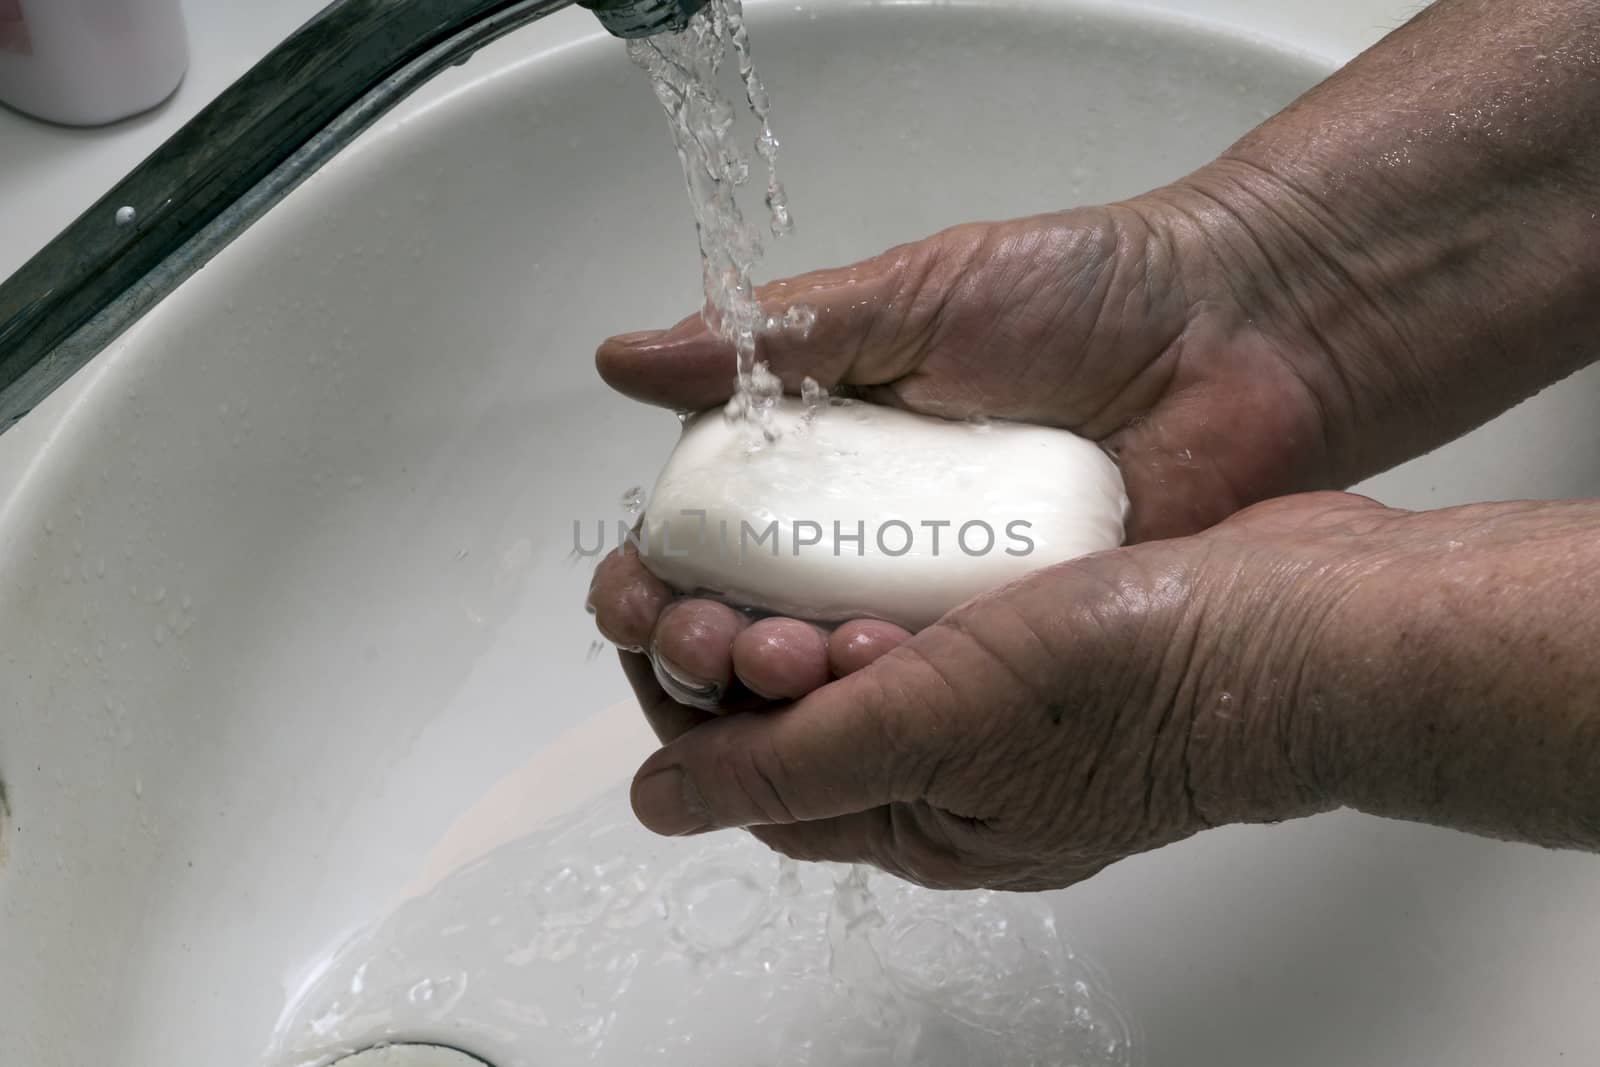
50 174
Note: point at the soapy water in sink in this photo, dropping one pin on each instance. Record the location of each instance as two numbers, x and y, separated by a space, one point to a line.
684 69
594 942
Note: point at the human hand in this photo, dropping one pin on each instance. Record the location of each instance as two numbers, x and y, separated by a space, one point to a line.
1118 703
1382 309
1090 712
1118 323
1396 258
1113 322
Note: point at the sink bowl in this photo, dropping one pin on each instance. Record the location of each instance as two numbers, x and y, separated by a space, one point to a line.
304 736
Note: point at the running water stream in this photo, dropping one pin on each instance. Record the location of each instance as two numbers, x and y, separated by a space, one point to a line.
684 70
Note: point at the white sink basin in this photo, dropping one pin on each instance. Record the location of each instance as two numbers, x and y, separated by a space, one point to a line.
293 658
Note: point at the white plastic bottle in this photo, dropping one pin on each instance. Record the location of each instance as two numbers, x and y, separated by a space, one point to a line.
90 62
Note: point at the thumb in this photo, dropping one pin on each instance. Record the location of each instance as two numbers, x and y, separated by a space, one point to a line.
837 752
874 321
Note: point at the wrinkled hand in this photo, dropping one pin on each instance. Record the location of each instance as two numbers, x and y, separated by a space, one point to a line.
1120 323
1289 318
1117 323
1090 712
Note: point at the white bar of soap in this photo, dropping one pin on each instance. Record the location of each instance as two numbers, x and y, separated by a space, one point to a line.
862 511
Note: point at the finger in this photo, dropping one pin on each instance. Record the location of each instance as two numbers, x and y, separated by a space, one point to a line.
846 748
859 644
782 659
669 719
874 321
692 648
626 599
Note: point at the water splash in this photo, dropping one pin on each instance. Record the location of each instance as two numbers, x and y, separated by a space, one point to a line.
594 942
634 502
684 69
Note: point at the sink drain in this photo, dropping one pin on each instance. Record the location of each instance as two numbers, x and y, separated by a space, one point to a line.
410 1056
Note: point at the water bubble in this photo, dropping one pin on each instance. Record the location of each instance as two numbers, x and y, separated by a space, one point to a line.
717 909
609 924
800 320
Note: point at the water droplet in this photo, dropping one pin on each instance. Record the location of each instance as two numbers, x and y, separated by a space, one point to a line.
800 320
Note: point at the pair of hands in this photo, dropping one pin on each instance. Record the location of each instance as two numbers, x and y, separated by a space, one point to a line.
1089 712
1289 319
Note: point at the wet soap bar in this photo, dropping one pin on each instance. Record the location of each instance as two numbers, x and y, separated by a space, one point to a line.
862 511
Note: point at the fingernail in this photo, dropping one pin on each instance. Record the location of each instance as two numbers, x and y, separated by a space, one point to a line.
685 688
635 340
668 804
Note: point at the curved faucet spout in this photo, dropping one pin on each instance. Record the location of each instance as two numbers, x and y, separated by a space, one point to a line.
643 18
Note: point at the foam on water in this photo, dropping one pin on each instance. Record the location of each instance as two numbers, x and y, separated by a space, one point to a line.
684 69
594 942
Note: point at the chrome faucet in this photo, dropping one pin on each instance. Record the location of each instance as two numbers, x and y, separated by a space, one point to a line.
272 128
643 18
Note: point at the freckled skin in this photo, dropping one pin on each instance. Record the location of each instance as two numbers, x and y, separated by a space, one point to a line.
1404 253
